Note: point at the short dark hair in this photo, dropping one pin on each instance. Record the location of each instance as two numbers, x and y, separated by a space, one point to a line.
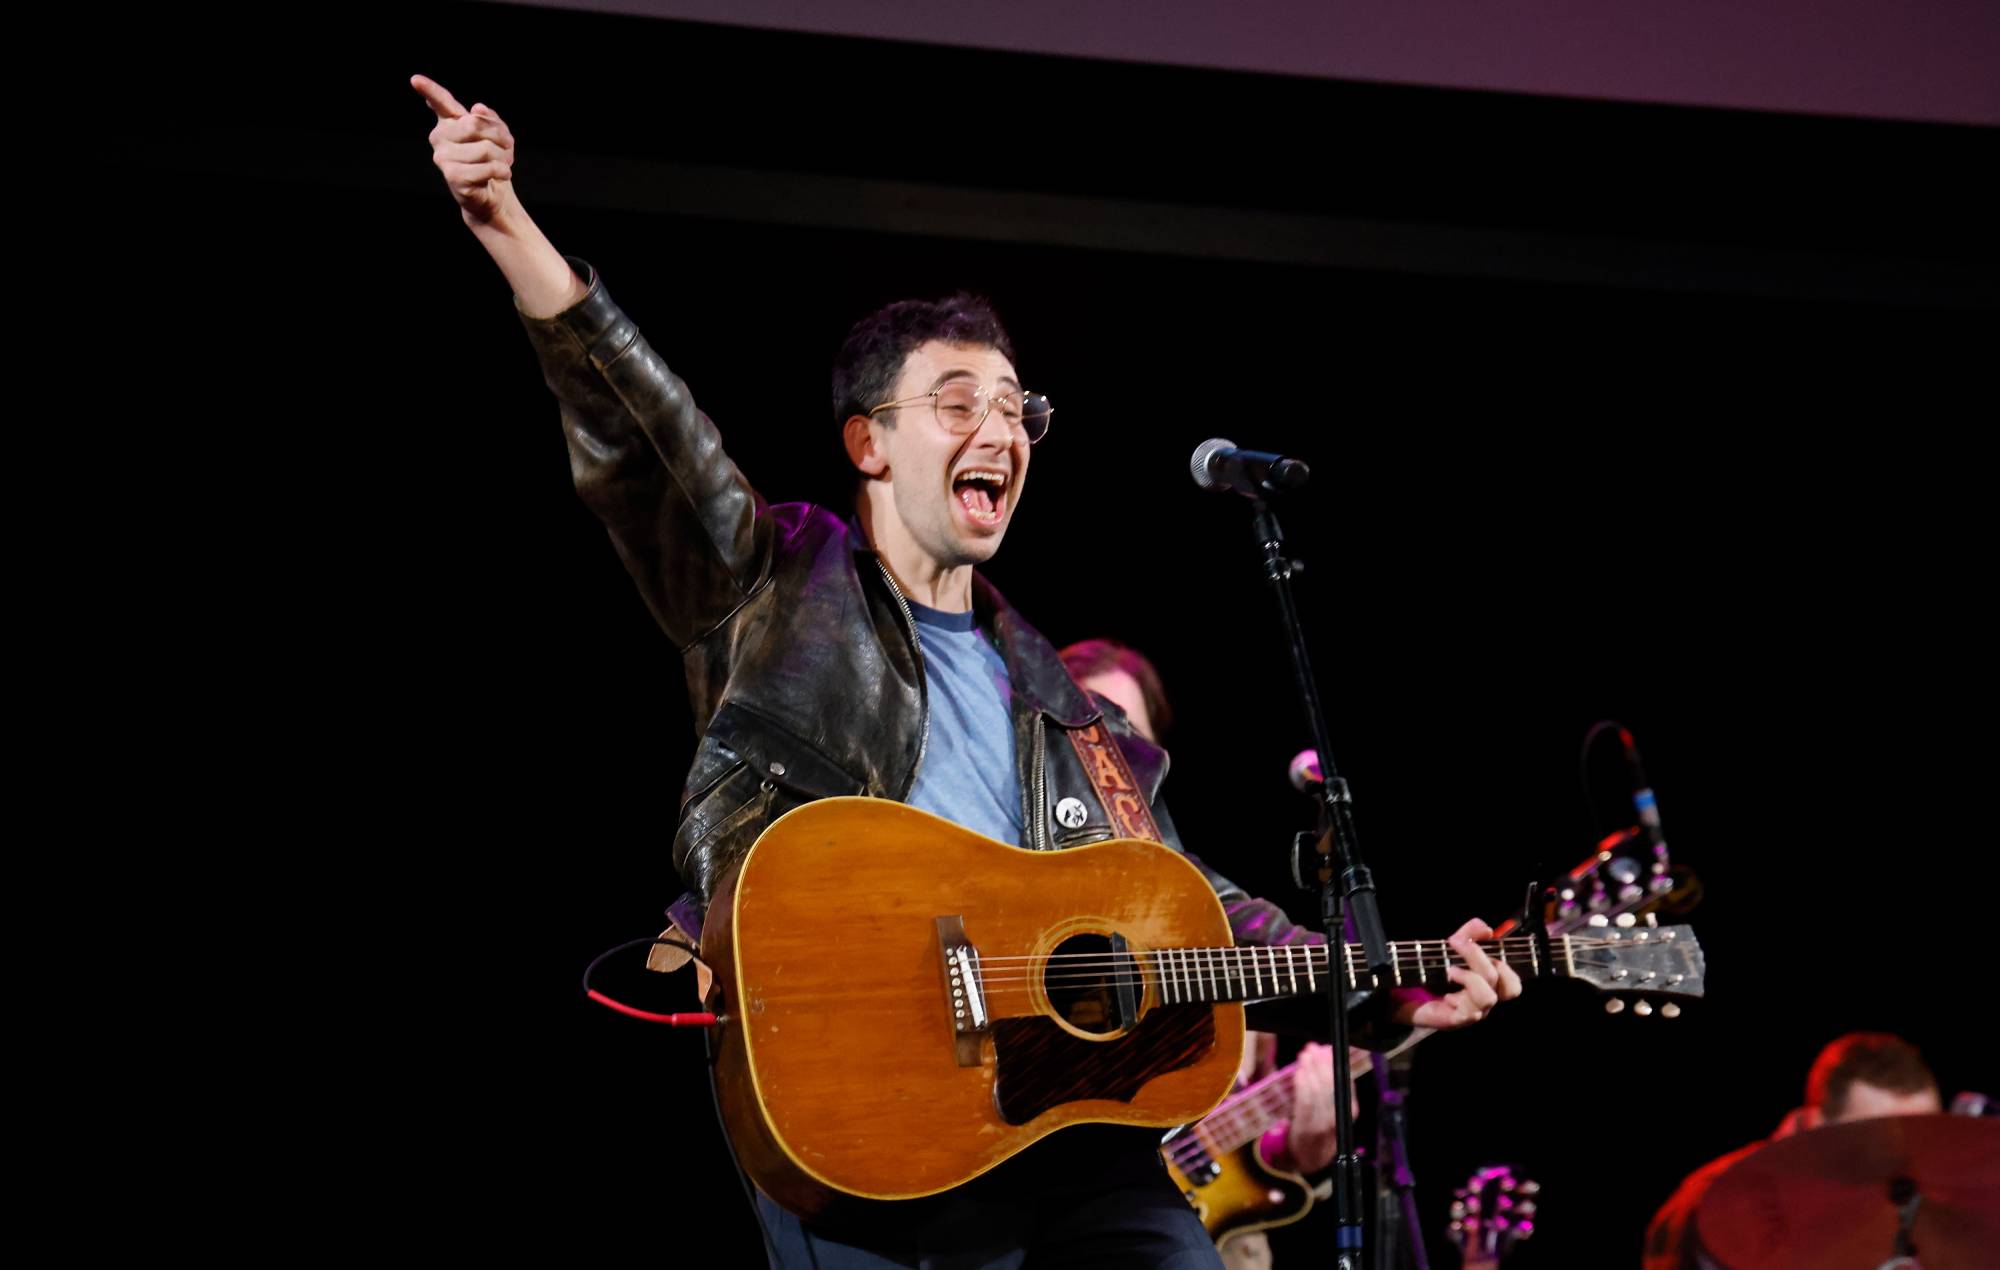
1871 1058
872 357
1095 656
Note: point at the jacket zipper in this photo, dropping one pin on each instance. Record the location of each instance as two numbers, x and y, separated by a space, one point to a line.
1038 814
923 686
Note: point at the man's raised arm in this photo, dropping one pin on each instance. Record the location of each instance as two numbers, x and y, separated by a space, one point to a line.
474 150
688 526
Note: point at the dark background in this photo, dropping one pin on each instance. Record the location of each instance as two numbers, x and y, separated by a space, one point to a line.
1661 414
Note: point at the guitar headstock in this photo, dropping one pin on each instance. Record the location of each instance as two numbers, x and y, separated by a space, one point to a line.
1491 1213
1647 963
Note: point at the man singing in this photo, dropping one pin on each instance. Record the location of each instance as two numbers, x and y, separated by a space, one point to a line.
828 655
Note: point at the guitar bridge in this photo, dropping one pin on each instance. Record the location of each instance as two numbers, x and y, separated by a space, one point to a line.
964 997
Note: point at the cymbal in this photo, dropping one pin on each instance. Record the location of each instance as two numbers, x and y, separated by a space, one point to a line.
1820 1200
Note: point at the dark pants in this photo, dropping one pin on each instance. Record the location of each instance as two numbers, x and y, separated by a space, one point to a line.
1090 1196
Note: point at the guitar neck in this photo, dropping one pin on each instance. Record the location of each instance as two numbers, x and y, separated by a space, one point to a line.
1246 1114
1251 972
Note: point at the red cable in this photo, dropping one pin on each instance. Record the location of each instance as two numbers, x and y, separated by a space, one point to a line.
671 1020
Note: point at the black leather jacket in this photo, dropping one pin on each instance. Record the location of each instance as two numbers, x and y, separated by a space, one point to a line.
802 658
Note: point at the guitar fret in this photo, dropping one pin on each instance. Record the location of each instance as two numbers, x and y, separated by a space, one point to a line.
1258 971
1353 979
1310 982
1396 965
1292 966
1534 959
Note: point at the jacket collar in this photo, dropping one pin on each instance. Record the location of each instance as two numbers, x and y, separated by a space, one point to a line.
1035 673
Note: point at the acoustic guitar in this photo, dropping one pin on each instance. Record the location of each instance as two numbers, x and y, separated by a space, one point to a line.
906 1003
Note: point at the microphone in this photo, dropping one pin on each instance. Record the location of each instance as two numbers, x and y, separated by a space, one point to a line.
1218 464
1305 771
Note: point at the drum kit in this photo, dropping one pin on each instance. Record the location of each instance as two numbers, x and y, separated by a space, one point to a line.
1894 1193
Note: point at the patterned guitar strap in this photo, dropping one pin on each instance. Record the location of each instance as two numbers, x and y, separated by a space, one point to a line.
1111 776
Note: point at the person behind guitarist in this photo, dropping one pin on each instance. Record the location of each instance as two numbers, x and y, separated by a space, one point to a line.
1303 1142
840 655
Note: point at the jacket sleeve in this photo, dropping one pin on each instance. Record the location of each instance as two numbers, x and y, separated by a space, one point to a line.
689 528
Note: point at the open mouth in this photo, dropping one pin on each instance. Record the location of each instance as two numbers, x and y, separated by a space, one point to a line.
982 491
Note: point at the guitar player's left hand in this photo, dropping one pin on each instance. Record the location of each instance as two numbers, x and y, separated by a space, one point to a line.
1482 985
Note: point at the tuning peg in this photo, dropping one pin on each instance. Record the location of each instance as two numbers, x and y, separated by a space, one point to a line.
1627 921
1458 1228
1670 1011
1458 1212
1599 919
1653 920
1614 1005
1524 1230
1531 1188
1527 1209
1642 1008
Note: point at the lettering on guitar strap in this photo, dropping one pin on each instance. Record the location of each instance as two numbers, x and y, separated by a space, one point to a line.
1112 777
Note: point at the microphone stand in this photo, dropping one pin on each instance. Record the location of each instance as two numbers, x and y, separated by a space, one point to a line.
1396 1225
1339 858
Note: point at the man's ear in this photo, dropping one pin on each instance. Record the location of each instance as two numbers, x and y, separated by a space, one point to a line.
862 451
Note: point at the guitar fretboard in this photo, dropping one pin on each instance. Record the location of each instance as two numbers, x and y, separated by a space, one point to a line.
1252 972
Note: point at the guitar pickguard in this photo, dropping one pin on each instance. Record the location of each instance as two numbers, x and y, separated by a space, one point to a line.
1039 1065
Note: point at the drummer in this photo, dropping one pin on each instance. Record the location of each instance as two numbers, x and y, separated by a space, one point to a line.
1857 1077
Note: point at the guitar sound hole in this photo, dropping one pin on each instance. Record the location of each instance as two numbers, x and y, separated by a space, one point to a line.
1090 983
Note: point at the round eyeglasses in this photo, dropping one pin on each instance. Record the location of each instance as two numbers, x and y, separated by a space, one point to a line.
961 406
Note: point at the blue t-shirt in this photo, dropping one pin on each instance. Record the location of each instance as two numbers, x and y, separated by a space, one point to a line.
967 774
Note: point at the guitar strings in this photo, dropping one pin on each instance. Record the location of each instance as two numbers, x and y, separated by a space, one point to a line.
1417 949
1243 1116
